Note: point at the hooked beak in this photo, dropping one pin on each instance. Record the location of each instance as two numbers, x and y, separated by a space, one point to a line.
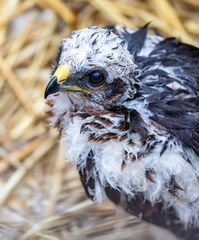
59 82
59 76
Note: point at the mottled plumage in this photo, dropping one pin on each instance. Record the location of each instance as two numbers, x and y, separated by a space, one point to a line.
127 106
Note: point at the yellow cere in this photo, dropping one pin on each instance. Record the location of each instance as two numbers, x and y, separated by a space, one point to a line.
62 73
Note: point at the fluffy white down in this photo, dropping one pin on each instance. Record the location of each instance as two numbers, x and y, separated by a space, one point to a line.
109 157
84 53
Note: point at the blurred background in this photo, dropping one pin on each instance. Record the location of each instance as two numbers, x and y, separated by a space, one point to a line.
40 194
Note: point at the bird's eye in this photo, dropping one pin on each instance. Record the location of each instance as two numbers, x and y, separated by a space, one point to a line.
96 78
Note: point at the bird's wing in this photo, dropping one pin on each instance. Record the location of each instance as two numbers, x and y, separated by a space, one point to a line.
171 85
170 82
180 117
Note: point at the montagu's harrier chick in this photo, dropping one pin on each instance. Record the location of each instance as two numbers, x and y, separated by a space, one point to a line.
127 107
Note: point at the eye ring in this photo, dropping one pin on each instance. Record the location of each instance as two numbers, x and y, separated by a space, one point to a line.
96 78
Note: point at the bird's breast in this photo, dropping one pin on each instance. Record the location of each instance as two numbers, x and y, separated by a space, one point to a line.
131 156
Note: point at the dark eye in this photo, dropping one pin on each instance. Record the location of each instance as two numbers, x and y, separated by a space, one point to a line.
96 78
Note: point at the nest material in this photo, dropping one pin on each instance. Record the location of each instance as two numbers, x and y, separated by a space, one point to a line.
40 195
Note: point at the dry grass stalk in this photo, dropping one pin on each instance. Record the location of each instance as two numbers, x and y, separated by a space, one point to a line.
40 195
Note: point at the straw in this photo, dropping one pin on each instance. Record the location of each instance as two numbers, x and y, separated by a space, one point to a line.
41 195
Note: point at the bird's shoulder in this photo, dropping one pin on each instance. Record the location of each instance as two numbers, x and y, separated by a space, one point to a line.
163 63
169 73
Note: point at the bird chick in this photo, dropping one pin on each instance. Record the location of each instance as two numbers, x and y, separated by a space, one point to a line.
127 107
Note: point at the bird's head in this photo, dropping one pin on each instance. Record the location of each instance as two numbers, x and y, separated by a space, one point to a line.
93 68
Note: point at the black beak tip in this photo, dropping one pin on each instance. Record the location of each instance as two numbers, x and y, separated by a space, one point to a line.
52 87
46 94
